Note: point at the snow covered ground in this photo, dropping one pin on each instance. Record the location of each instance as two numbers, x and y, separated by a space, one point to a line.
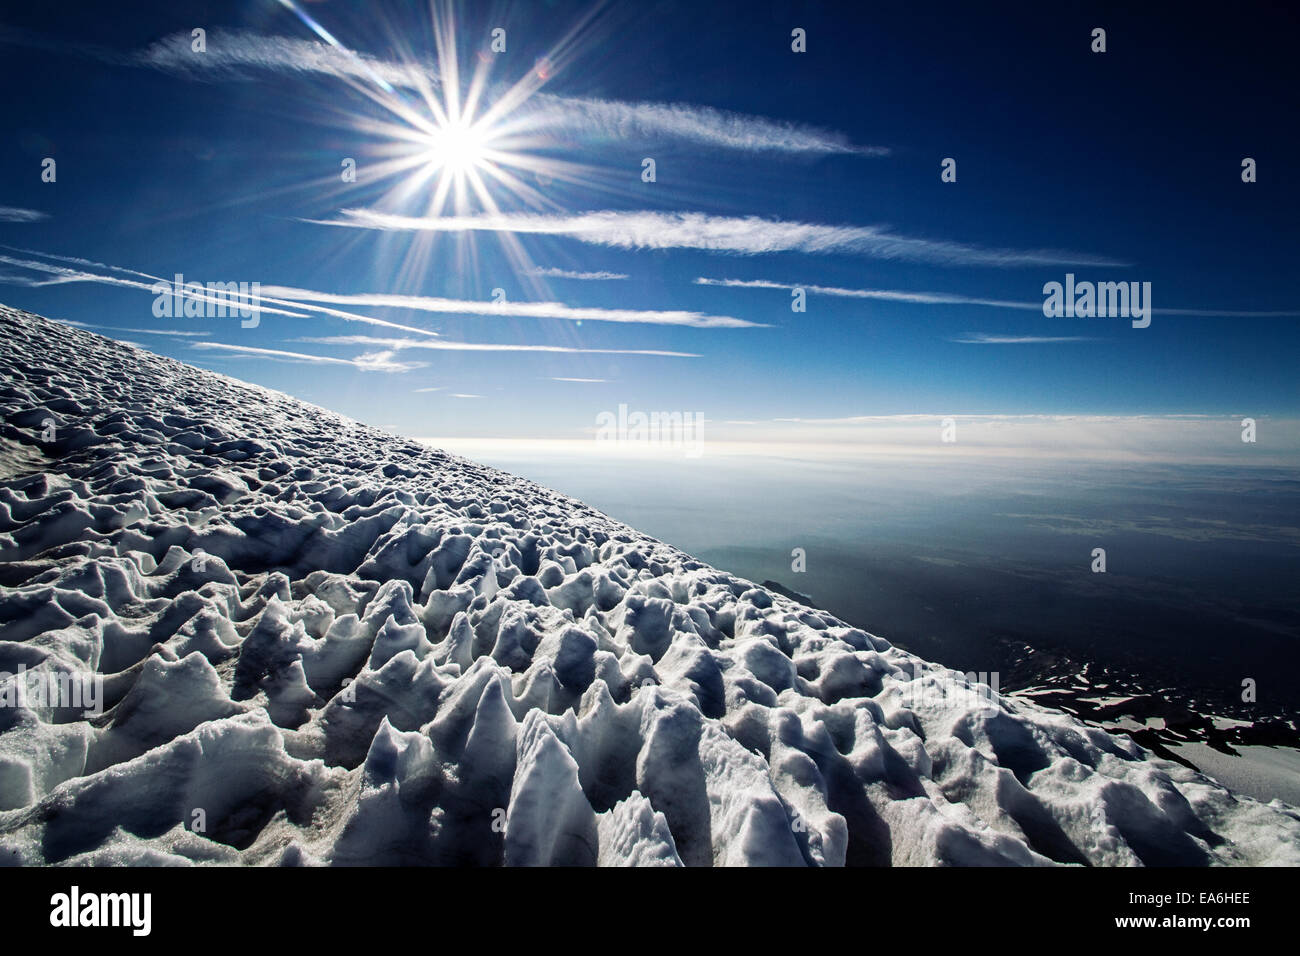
237 628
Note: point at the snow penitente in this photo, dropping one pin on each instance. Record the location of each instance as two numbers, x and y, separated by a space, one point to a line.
323 644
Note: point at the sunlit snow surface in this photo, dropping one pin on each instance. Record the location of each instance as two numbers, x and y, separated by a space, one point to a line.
320 643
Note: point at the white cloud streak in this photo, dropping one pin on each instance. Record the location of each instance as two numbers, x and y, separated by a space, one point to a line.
535 310
242 54
947 298
747 235
980 338
382 361
59 275
442 345
368 362
693 124
14 214
133 279
551 273
885 295
168 332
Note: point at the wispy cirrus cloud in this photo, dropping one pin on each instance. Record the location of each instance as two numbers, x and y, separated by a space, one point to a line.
980 338
885 295
384 362
58 275
367 362
168 332
244 54
299 303
442 345
588 381
79 270
552 273
743 235
534 310
693 124
948 298
303 302
15 214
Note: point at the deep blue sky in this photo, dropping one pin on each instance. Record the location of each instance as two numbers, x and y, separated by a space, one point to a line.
1131 156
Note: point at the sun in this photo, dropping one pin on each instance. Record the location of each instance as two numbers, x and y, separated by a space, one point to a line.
456 148
446 141
445 149
442 141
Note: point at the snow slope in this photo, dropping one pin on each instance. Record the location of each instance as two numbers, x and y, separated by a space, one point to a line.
319 643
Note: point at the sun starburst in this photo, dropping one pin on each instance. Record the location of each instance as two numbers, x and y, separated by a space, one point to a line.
448 143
